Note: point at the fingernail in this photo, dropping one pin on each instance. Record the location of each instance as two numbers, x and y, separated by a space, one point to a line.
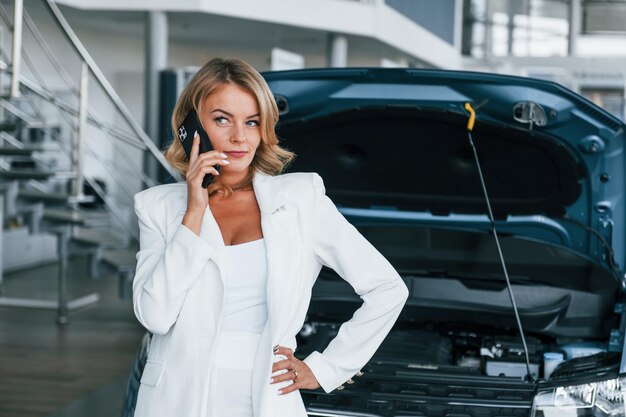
223 155
195 134
226 162
280 391
271 380
275 348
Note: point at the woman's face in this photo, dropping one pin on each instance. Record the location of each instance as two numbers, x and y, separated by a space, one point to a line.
231 118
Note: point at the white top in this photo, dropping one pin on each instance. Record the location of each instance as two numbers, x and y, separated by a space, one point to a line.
245 295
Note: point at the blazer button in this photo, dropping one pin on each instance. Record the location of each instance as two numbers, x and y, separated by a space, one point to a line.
340 387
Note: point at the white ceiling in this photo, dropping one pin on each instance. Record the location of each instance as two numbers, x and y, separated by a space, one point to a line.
201 28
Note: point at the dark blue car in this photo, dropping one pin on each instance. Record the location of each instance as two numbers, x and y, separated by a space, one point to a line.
393 148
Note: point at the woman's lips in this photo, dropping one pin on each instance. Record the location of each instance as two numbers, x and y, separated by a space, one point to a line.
236 154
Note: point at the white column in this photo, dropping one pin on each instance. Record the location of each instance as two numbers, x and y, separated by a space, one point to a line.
17 47
575 25
488 45
337 50
156 60
458 25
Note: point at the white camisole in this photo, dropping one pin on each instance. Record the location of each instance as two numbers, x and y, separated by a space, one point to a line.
245 306
243 321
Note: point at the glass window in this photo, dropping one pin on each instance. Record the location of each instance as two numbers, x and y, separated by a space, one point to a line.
602 16
517 28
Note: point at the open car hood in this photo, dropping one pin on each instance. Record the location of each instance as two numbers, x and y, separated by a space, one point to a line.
392 146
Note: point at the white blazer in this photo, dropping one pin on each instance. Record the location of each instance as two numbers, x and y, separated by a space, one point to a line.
178 290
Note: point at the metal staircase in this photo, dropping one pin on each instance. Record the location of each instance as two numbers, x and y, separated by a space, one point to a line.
53 207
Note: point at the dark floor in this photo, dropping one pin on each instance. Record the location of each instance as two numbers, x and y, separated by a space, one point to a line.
79 369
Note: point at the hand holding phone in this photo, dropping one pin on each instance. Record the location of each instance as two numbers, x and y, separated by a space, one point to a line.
186 132
199 167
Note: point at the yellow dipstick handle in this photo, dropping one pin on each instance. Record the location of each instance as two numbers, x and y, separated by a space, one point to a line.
472 119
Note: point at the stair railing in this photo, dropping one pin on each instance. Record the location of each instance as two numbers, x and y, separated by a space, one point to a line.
104 83
137 138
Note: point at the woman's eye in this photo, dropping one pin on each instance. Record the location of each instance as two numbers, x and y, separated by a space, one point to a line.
221 120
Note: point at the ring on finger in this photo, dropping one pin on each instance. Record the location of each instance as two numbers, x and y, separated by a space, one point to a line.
295 374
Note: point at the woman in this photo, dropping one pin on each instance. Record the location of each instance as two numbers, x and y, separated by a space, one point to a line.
224 274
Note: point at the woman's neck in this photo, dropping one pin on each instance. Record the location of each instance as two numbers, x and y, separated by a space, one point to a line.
230 179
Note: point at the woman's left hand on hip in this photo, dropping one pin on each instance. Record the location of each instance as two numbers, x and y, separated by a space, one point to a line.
302 377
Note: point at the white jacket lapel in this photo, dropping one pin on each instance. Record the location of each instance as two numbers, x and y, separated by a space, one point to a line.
279 222
280 229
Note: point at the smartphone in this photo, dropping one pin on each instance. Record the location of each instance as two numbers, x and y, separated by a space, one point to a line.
186 132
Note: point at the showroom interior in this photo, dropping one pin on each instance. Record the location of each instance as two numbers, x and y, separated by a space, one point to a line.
88 88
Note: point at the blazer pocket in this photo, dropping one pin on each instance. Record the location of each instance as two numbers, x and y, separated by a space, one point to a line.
153 373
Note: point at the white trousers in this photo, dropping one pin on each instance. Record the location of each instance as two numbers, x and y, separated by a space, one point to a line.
231 376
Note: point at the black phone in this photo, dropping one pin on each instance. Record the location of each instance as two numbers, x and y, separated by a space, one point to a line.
186 131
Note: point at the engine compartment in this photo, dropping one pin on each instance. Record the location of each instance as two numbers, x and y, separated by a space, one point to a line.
441 369
456 349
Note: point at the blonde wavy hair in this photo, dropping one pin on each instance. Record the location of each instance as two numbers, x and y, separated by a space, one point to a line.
269 157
